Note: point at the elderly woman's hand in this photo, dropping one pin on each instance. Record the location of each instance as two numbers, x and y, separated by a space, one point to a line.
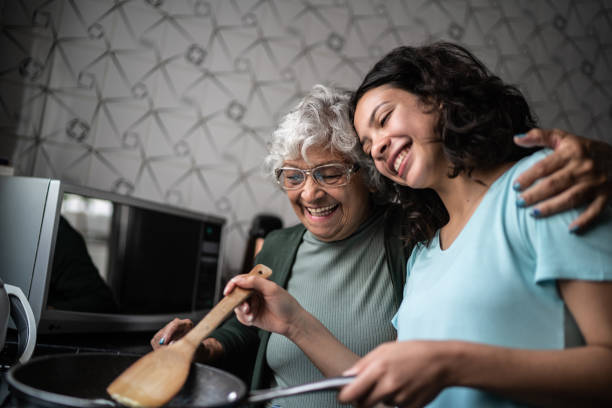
578 172
171 332
271 308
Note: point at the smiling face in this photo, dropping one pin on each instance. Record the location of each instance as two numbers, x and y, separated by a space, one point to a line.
395 128
331 214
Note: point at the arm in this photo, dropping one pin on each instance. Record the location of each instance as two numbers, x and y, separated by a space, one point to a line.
273 309
578 172
417 371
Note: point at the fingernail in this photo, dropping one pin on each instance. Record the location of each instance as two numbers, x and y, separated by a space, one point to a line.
516 186
351 371
520 135
520 202
535 213
162 340
574 229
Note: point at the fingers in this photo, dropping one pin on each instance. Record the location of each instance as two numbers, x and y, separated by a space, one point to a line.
357 391
589 215
173 331
540 137
248 282
248 311
542 168
569 178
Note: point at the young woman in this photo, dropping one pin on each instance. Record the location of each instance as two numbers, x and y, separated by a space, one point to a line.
499 309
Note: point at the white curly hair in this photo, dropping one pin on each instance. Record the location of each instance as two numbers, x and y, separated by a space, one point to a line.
320 119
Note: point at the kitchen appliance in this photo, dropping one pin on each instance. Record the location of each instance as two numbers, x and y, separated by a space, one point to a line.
80 380
13 304
160 261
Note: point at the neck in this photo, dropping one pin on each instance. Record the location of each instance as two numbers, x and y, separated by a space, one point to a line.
461 196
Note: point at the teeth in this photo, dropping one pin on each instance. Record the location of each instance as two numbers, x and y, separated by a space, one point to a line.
322 211
399 158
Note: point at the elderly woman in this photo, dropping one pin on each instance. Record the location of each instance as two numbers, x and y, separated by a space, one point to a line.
344 263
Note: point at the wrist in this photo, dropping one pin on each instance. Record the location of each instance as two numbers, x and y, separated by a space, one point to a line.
209 350
452 359
300 327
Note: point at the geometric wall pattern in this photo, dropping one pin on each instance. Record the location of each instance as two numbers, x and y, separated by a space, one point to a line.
174 101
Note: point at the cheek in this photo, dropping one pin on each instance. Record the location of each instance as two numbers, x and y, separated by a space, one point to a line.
293 198
380 167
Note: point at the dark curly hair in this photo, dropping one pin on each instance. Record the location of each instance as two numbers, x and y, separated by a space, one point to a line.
478 116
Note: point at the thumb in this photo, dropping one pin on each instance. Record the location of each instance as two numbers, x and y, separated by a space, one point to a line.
252 282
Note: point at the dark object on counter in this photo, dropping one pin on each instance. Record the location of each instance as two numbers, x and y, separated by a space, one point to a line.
260 227
80 380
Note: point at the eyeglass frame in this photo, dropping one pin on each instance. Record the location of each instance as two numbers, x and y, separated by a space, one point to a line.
349 170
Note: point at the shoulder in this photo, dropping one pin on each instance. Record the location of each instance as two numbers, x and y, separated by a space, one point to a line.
282 239
528 161
284 234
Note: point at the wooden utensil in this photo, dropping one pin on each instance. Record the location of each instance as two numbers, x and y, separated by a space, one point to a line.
159 375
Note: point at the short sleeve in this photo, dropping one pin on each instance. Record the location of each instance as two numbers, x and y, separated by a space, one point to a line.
548 247
563 255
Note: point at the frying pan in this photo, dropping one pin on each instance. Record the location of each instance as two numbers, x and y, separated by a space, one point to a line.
80 380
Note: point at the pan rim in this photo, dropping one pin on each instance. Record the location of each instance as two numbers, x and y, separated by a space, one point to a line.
52 397
47 398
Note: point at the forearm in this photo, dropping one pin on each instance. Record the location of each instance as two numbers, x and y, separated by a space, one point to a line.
325 351
210 351
571 377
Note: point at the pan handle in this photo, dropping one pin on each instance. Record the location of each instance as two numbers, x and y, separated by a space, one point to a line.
326 384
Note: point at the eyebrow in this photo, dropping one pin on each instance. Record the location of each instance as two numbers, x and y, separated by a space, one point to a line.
317 165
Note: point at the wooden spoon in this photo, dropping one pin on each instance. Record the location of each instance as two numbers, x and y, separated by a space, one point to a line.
159 375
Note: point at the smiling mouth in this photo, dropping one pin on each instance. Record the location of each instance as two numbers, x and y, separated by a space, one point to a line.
322 211
400 158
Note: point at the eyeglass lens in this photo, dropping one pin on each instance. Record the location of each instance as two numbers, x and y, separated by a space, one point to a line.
329 175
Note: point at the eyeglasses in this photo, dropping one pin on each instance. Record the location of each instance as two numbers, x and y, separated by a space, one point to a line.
327 175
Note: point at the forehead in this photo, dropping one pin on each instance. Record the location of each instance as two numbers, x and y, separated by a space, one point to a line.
376 100
316 156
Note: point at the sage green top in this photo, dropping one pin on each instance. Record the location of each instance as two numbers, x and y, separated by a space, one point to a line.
346 285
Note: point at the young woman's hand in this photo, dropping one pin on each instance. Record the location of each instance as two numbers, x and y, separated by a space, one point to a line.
578 172
270 308
405 373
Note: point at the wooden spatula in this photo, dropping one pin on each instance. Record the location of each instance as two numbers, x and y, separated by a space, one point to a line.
159 375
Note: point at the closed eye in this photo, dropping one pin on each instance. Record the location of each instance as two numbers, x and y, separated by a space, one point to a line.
383 120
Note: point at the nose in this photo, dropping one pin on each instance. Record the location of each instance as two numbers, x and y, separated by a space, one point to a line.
311 190
380 147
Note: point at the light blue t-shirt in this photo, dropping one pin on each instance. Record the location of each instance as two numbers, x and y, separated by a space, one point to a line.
496 283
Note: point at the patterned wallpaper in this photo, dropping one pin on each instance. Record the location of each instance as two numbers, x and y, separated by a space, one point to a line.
174 100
